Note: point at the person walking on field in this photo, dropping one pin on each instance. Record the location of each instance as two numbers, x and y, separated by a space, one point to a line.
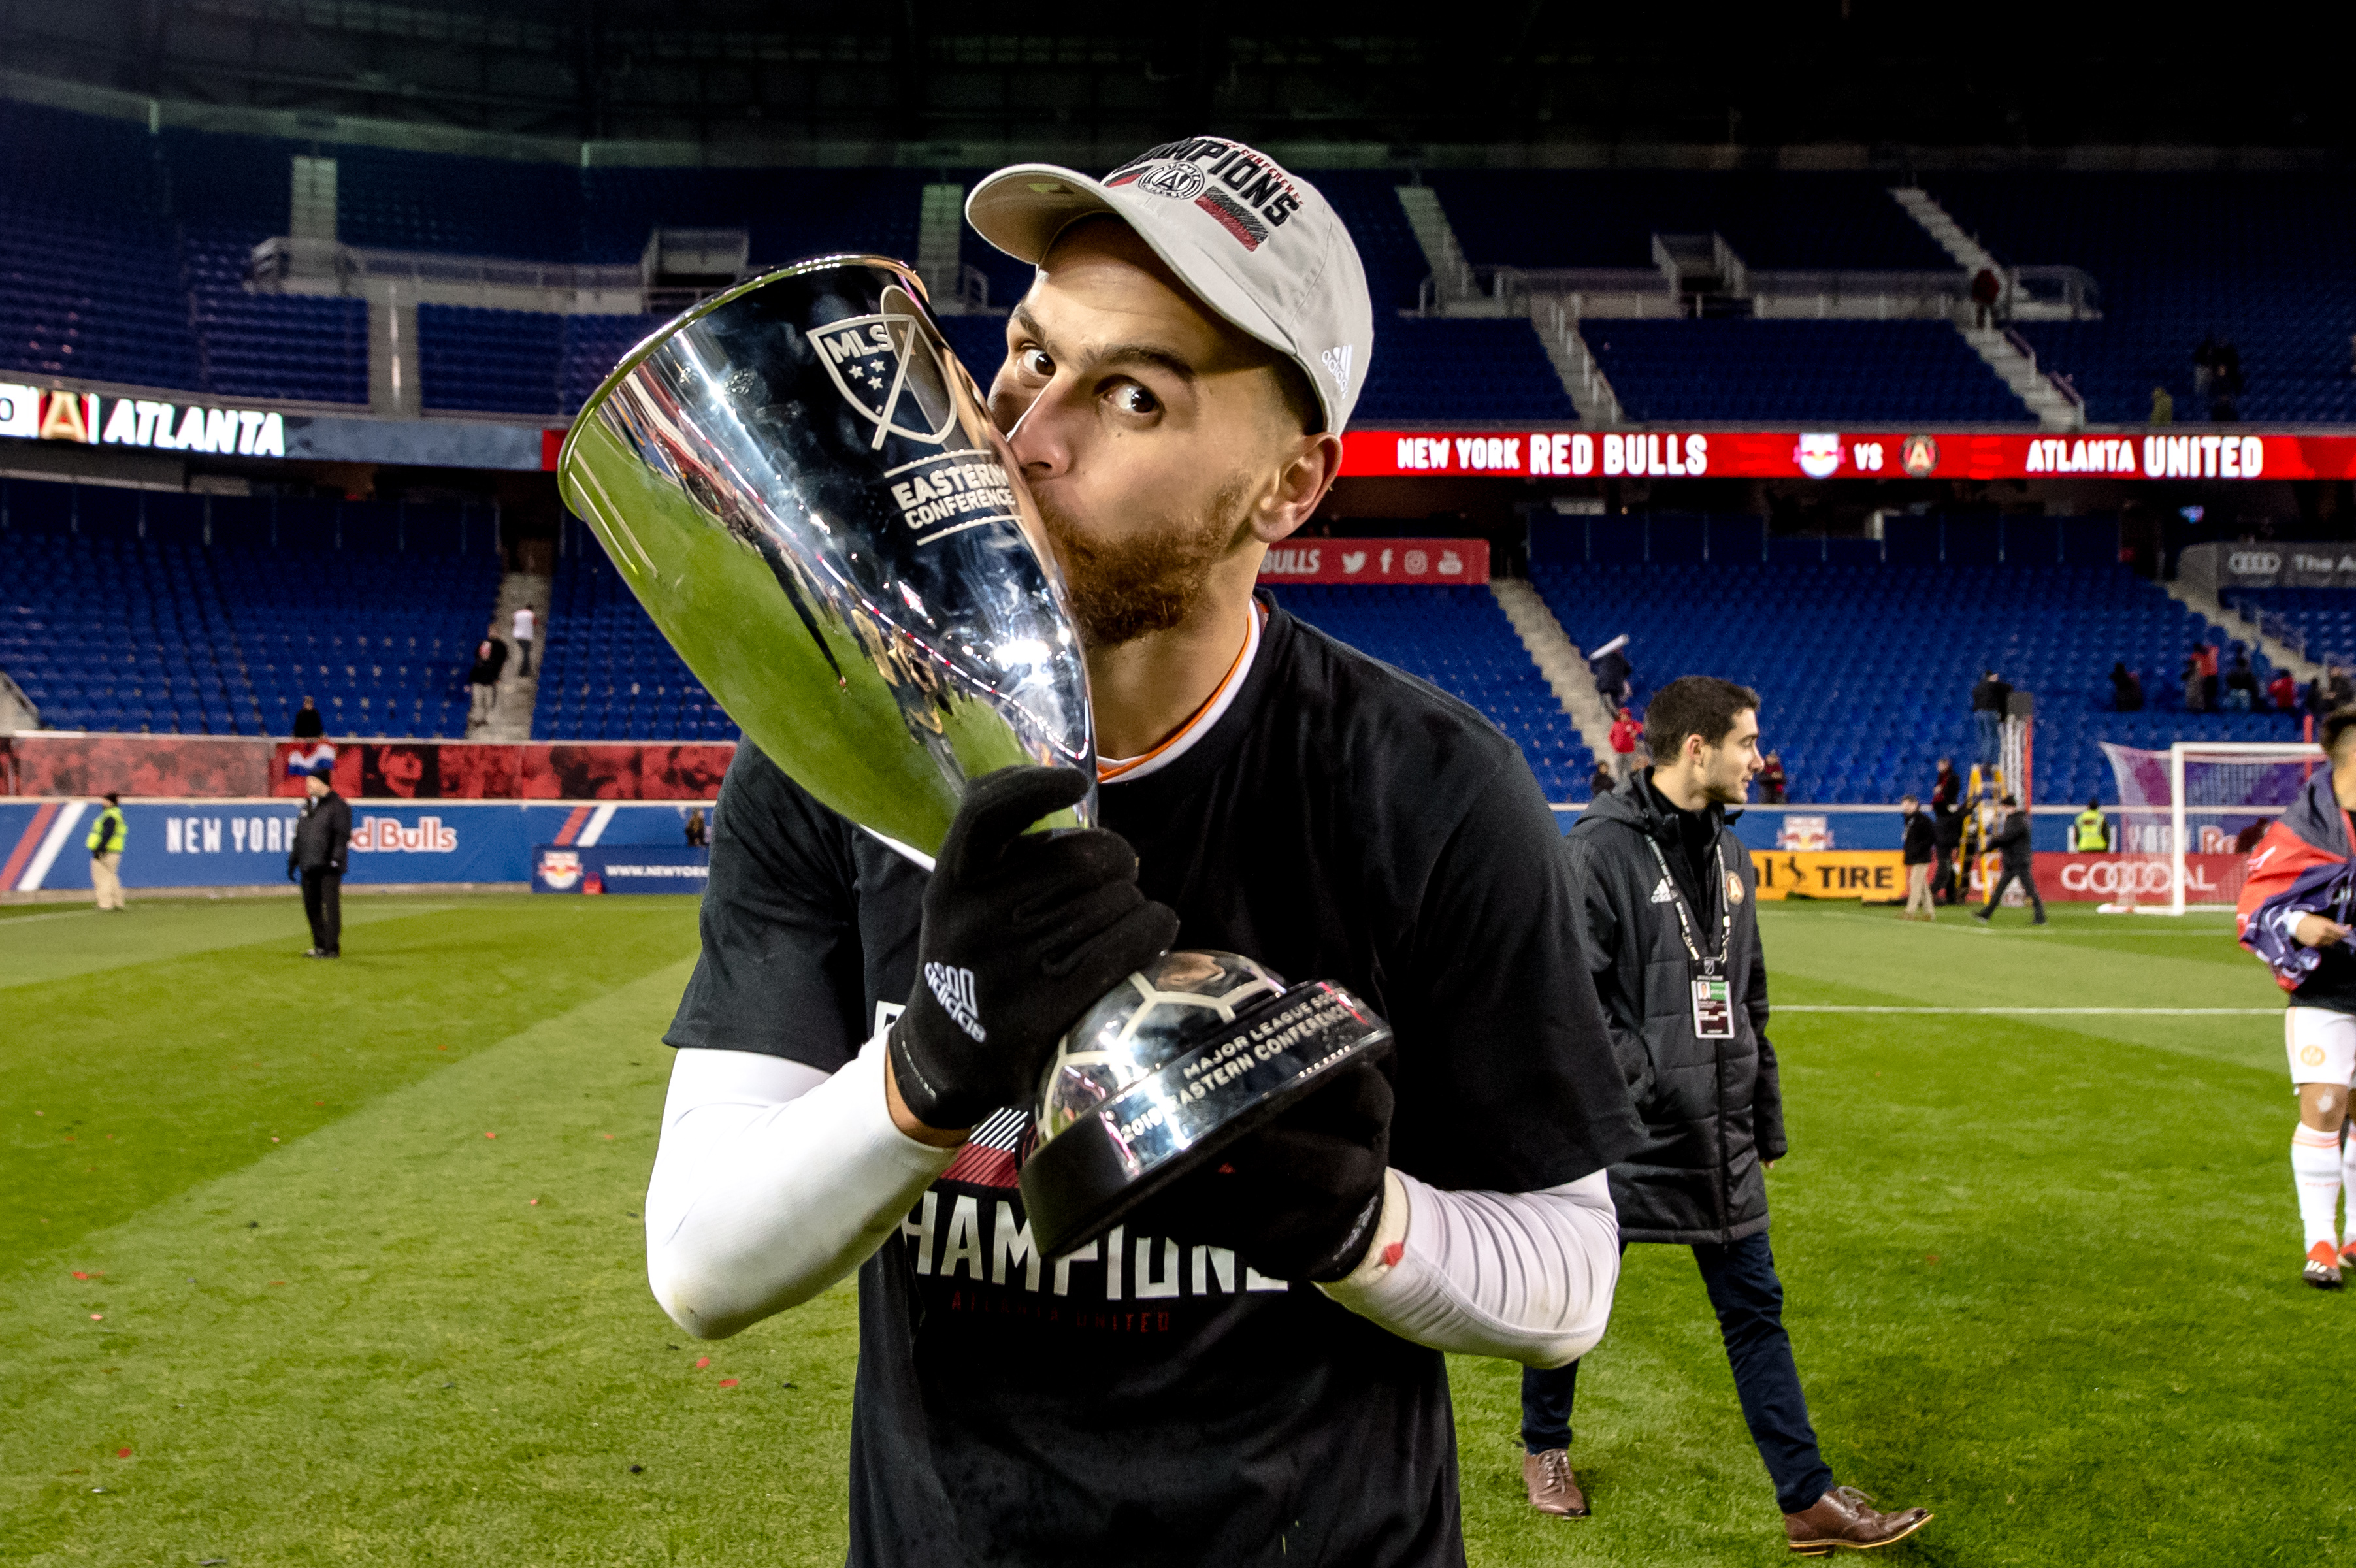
105 841
1667 907
1920 849
2011 841
323 835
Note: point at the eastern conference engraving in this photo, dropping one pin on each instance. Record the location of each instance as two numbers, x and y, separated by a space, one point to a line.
1236 1057
957 487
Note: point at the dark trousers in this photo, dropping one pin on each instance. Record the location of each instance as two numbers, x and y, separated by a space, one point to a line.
323 903
1943 877
1990 726
1748 1299
2013 873
524 643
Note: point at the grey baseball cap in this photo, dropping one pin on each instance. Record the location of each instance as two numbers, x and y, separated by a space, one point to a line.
1260 245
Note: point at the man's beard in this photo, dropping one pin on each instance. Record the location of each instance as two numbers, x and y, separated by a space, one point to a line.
1150 582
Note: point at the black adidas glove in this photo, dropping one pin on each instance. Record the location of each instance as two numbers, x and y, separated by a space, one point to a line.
1299 1199
1022 934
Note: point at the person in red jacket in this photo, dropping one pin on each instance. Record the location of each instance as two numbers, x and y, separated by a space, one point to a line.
1625 731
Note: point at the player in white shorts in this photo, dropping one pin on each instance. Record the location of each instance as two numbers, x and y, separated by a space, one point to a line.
2297 913
2321 1041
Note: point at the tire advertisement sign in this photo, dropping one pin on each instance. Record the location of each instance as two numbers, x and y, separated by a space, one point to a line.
1873 876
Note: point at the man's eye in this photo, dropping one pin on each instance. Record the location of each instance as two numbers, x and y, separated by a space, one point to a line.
1035 362
1134 399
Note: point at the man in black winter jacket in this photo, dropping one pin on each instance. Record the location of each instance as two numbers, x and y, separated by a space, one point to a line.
2011 841
1668 902
323 835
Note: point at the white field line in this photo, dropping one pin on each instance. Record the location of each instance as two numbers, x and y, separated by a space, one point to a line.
2053 1011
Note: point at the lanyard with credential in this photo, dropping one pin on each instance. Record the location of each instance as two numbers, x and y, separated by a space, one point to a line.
1713 995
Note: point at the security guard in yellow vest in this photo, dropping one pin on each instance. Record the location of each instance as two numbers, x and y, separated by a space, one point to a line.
105 845
2089 830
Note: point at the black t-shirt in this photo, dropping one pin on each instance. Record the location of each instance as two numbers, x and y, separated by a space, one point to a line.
1147 1401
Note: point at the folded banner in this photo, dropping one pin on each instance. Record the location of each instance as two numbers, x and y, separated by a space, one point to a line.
1408 562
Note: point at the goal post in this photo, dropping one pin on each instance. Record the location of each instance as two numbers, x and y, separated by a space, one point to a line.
2189 815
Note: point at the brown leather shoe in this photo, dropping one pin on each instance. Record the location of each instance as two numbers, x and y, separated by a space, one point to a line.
1553 1489
1846 1517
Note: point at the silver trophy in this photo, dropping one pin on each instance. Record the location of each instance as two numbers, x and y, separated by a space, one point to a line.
803 488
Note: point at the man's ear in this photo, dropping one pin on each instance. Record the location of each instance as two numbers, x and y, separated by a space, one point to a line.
1291 500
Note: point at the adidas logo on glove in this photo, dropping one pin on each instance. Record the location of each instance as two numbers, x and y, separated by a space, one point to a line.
953 988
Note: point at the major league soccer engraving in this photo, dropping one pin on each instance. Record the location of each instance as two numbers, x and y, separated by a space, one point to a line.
805 490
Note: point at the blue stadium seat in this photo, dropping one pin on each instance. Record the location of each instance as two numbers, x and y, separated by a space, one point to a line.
121 616
1866 680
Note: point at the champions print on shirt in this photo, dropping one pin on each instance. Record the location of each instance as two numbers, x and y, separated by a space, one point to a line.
970 1245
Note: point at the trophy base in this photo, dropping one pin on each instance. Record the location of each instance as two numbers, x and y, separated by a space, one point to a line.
1078 1184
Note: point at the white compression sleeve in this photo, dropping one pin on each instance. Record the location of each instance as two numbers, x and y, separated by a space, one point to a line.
1526 1276
773 1181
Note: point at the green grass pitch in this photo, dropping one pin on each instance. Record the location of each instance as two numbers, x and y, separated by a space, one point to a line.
274 1294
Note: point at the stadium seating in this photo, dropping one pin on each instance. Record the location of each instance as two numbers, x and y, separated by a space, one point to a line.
119 614
2261 259
1865 670
1443 372
1460 641
272 345
1898 373
607 673
1563 217
2325 617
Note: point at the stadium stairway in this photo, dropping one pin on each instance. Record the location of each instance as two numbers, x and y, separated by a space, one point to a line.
2019 371
511 715
1567 672
2202 602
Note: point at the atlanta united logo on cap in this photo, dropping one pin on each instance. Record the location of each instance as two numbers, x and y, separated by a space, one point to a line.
887 367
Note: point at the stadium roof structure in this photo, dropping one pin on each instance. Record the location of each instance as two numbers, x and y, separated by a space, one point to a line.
1538 80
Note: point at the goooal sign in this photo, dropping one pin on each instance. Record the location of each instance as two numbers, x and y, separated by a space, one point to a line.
38 413
1838 455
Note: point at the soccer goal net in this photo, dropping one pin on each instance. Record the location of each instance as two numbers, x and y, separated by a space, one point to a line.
2187 818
